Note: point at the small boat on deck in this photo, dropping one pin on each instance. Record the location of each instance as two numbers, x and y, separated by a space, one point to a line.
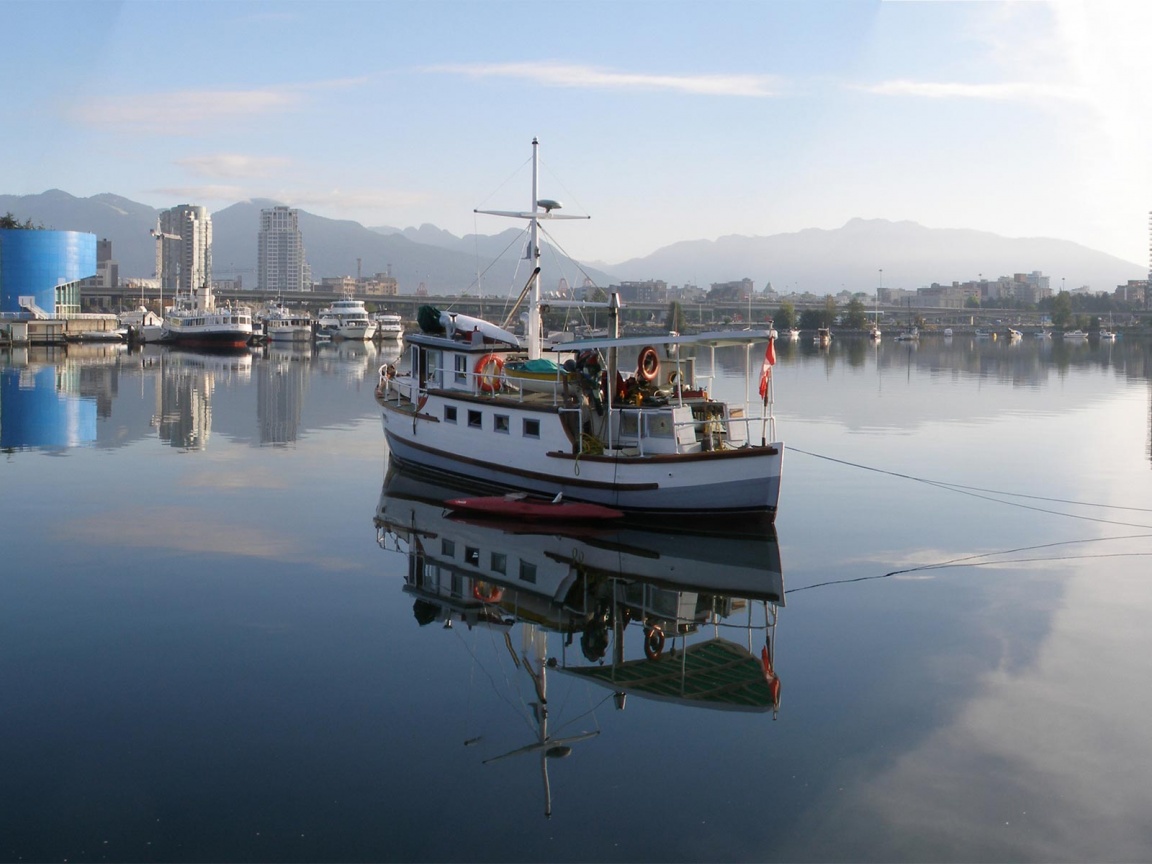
522 506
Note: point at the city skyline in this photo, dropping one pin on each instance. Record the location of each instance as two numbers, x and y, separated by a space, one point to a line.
664 122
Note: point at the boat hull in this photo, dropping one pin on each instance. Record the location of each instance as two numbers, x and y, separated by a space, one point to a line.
213 339
724 482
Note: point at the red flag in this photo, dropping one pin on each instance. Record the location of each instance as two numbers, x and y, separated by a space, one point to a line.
766 368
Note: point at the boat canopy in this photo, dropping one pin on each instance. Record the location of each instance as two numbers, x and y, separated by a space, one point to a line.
716 339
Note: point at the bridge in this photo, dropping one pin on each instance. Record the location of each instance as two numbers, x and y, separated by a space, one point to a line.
703 314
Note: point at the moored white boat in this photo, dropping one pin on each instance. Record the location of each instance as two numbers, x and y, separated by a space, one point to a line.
346 319
196 321
1076 336
389 325
651 441
823 337
144 323
282 324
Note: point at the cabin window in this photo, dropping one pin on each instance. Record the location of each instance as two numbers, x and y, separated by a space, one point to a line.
447 547
500 423
449 413
499 562
527 572
531 428
659 425
475 420
472 556
460 364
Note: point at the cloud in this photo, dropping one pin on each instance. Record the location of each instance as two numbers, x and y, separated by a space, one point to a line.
568 75
186 111
1002 92
233 165
218 192
181 112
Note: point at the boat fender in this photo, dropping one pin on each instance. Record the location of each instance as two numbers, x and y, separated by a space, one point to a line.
653 643
488 370
648 365
487 593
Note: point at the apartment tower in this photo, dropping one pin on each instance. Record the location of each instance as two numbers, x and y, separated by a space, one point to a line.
184 249
280 252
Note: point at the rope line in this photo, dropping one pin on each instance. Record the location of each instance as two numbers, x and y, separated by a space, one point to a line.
974 491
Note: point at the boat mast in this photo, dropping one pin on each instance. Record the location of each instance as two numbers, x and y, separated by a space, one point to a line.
540 209
535 324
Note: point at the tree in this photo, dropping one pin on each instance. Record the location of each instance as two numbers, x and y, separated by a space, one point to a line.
1062 310
856 317
10 221
785 318
811 319
675 319
829 314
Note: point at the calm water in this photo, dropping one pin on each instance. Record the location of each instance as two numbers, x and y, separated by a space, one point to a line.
229 635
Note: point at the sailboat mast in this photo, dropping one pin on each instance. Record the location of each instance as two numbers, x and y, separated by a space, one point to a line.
534 323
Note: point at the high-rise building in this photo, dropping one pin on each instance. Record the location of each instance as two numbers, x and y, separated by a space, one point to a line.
280 252
184 249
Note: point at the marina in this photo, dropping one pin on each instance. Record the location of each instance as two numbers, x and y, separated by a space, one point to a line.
228 618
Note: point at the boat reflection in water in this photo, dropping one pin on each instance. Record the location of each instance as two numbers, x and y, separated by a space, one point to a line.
678 617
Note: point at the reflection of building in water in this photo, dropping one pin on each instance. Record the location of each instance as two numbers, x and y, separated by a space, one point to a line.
40 406
188 382
280 385
677 617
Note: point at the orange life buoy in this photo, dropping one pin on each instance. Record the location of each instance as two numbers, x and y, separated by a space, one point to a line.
487 593
653 643
648 366
489 380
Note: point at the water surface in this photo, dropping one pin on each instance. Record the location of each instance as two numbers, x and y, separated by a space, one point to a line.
231 634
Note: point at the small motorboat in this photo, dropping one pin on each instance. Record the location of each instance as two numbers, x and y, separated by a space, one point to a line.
522 506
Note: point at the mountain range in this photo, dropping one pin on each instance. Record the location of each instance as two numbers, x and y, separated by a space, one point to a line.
859 256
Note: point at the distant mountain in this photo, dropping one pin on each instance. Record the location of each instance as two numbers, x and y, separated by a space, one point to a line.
816 260
332 246
911 256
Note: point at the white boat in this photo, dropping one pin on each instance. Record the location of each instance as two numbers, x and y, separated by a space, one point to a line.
823 337
1107 335
793 334
947 332
281 324
346 319
909 335
196 321
653 441
1014 335
147 325
1075 336
983 334
1042 334
874 333
389 325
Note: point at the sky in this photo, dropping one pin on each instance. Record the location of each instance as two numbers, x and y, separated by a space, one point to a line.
662 120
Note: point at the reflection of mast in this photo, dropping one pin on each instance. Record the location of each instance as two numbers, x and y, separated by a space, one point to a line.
545 745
